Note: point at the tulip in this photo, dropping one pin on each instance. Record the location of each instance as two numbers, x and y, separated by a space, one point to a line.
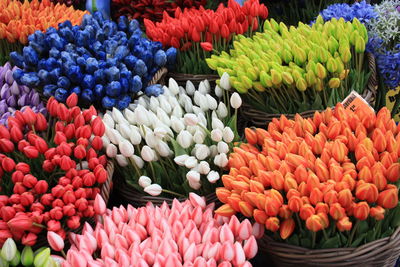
344 224
144 181
388 199
287 228
153 189
224 82
184 139
99 205
55 241
361 210
27 256
313 223
228 135
213 177
126 148
9 249
235 101
147 154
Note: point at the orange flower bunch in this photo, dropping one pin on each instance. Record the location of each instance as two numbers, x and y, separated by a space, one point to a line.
18 20
324 173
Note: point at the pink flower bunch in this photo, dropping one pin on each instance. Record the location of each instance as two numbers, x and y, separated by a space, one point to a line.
186 234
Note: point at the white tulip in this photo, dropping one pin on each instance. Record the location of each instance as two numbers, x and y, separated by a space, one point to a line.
134 135
190 89
163 149
217 124
221 160
182 98
212 103
143 130
222 147
236 100
121 160
160 132
147 154
126 148
218 91
143 102
202 88
9 250
184 139
192 129
214 114
199 137
141 116
196 98
117 115
154 189
108 120
190 119
125 130
154 104
213 151
133 105
191 162
112 135
195 185
207 85
222 110
224 82
193 176
202 152
151 139
203 167
144 181
167 92
173 101
177 111
138 161
180 160
163 116
177 124
130 116
106 140
213 177
204 105
216 135
111 151
228 134
202 119
173 86
164 104
119 137
197 110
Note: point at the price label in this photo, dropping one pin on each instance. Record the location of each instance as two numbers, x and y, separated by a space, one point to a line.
356 103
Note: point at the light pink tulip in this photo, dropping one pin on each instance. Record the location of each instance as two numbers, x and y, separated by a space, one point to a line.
145 244
121 242
234 224
227 251
141 231
211 263
258 230
214 251
149 256
197 200
56 242
135 256
173 261
185 215
142 217
207 215
66 264
160 259
250 247
107 251
200 262
197 216
226 234
142 263
176 205
120 254
225 264
77 260
99 206
239 257
199 249
110 262
87 228
189 227
132 236
109 225
245 230
188 264
246 264
94 263
190 253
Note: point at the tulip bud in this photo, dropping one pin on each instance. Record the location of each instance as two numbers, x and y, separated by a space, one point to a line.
388 199
313 223
334 83
377 212
9 249
153 189
359 44
361 210
42 257
272 224
276 77
344 224
287 228
56 242
144 181
27 256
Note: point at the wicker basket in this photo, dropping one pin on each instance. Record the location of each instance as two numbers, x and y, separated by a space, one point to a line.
137 199
182 78
159 77
261 119
379 253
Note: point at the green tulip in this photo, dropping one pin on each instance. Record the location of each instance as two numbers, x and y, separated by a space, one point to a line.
276 77
239 87
267 25
41 257
9 249
287 56
282 27
310 78
333 45
360 44
296 74
339 64
287 78
319 85
320 71
16 260
331 65
252 74
334 83
212 63
322 55
221 71
27 256
345 55
265 79
274 25
319 20
299 56
301 85
3 262
258 87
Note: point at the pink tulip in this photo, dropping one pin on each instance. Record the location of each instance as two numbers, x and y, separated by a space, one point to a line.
245 230
227 251
258 230
87 228
56 242
91 242
101 238
142 263
211 263
149 256
66 264
213 251
116 216
226 234
234 224
200 262
77 260
132 236
107 251
94 263
250 247
225 264
195 236
239 257
197 200
197 216
99 205
207 215
142 216
190 253
141 231
188 264
109 262
246 264
176 205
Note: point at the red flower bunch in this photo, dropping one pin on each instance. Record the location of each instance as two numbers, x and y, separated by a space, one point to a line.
151 9
197 31
334 174
44 184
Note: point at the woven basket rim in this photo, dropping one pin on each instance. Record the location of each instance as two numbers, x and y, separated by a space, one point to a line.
186 76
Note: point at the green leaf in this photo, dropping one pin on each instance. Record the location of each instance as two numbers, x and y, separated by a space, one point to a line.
358 241
294 240
343 238
396 217
178 150
370 235
333 242
387 233
363 227
305 242
317 105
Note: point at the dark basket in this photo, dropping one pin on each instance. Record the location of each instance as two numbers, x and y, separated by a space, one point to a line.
138 199
379 253
261 119
182 78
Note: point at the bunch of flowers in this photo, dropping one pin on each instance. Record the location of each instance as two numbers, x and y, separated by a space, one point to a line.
102 61
152 9
51 171
187 234
185 126
196 32
11 256
326 181
15 97
363 11
313 67
18 20
75 3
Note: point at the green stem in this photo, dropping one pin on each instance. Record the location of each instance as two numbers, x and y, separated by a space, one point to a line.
325 234
173 193
152 169
39 225
135 166
314 237
353 231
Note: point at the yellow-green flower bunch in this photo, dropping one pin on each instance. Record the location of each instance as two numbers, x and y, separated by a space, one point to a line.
288 70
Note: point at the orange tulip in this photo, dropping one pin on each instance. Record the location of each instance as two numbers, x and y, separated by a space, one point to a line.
313 223
256 187
286 228
227 181
321 170
339 151
246 209
240 185
303 189
272 224
379 180
344 224
367 191
277 180
262 135
306 211
301 174
386 159
365 174
271 206
265 177
388 198
379 140
336 211
290 182
295 203
361 210
312 181
393 172
250 197
377 212
334 129
246 172
322 208
316 196
349 180
225 210
251 136
345 198
330 197
259 216
285 212
285 169
336 172
317 119
295 160
223 194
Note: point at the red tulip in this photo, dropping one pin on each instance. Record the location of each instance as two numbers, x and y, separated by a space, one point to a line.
8 164
41 122
20 223
31 152
206 46
29 239
29 116
72 100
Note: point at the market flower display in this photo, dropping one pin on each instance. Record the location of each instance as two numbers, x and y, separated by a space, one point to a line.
151 9
51 170
363 11
103 62
322 182
187 234
15 97
289 70
196 32
175 143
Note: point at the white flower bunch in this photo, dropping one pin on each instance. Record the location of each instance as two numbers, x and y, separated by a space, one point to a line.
175 143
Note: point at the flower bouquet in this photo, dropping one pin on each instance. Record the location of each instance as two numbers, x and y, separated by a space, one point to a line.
16 97
51 170
327 182
103 62
197 32
186 234
172 144
18 20
151 9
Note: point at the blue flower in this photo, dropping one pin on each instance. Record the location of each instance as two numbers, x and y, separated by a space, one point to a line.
88 81
99 91
360 10
140 67
160 58
108 102
87 95
30 56
63 82
77 90
17 59
136 84
112 74
91 65
171 55
154 90
61 94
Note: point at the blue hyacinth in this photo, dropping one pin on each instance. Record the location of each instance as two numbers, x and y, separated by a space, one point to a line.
363 11
102 61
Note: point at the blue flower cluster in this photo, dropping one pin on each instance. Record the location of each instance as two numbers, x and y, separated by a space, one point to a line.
360 10
101 61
